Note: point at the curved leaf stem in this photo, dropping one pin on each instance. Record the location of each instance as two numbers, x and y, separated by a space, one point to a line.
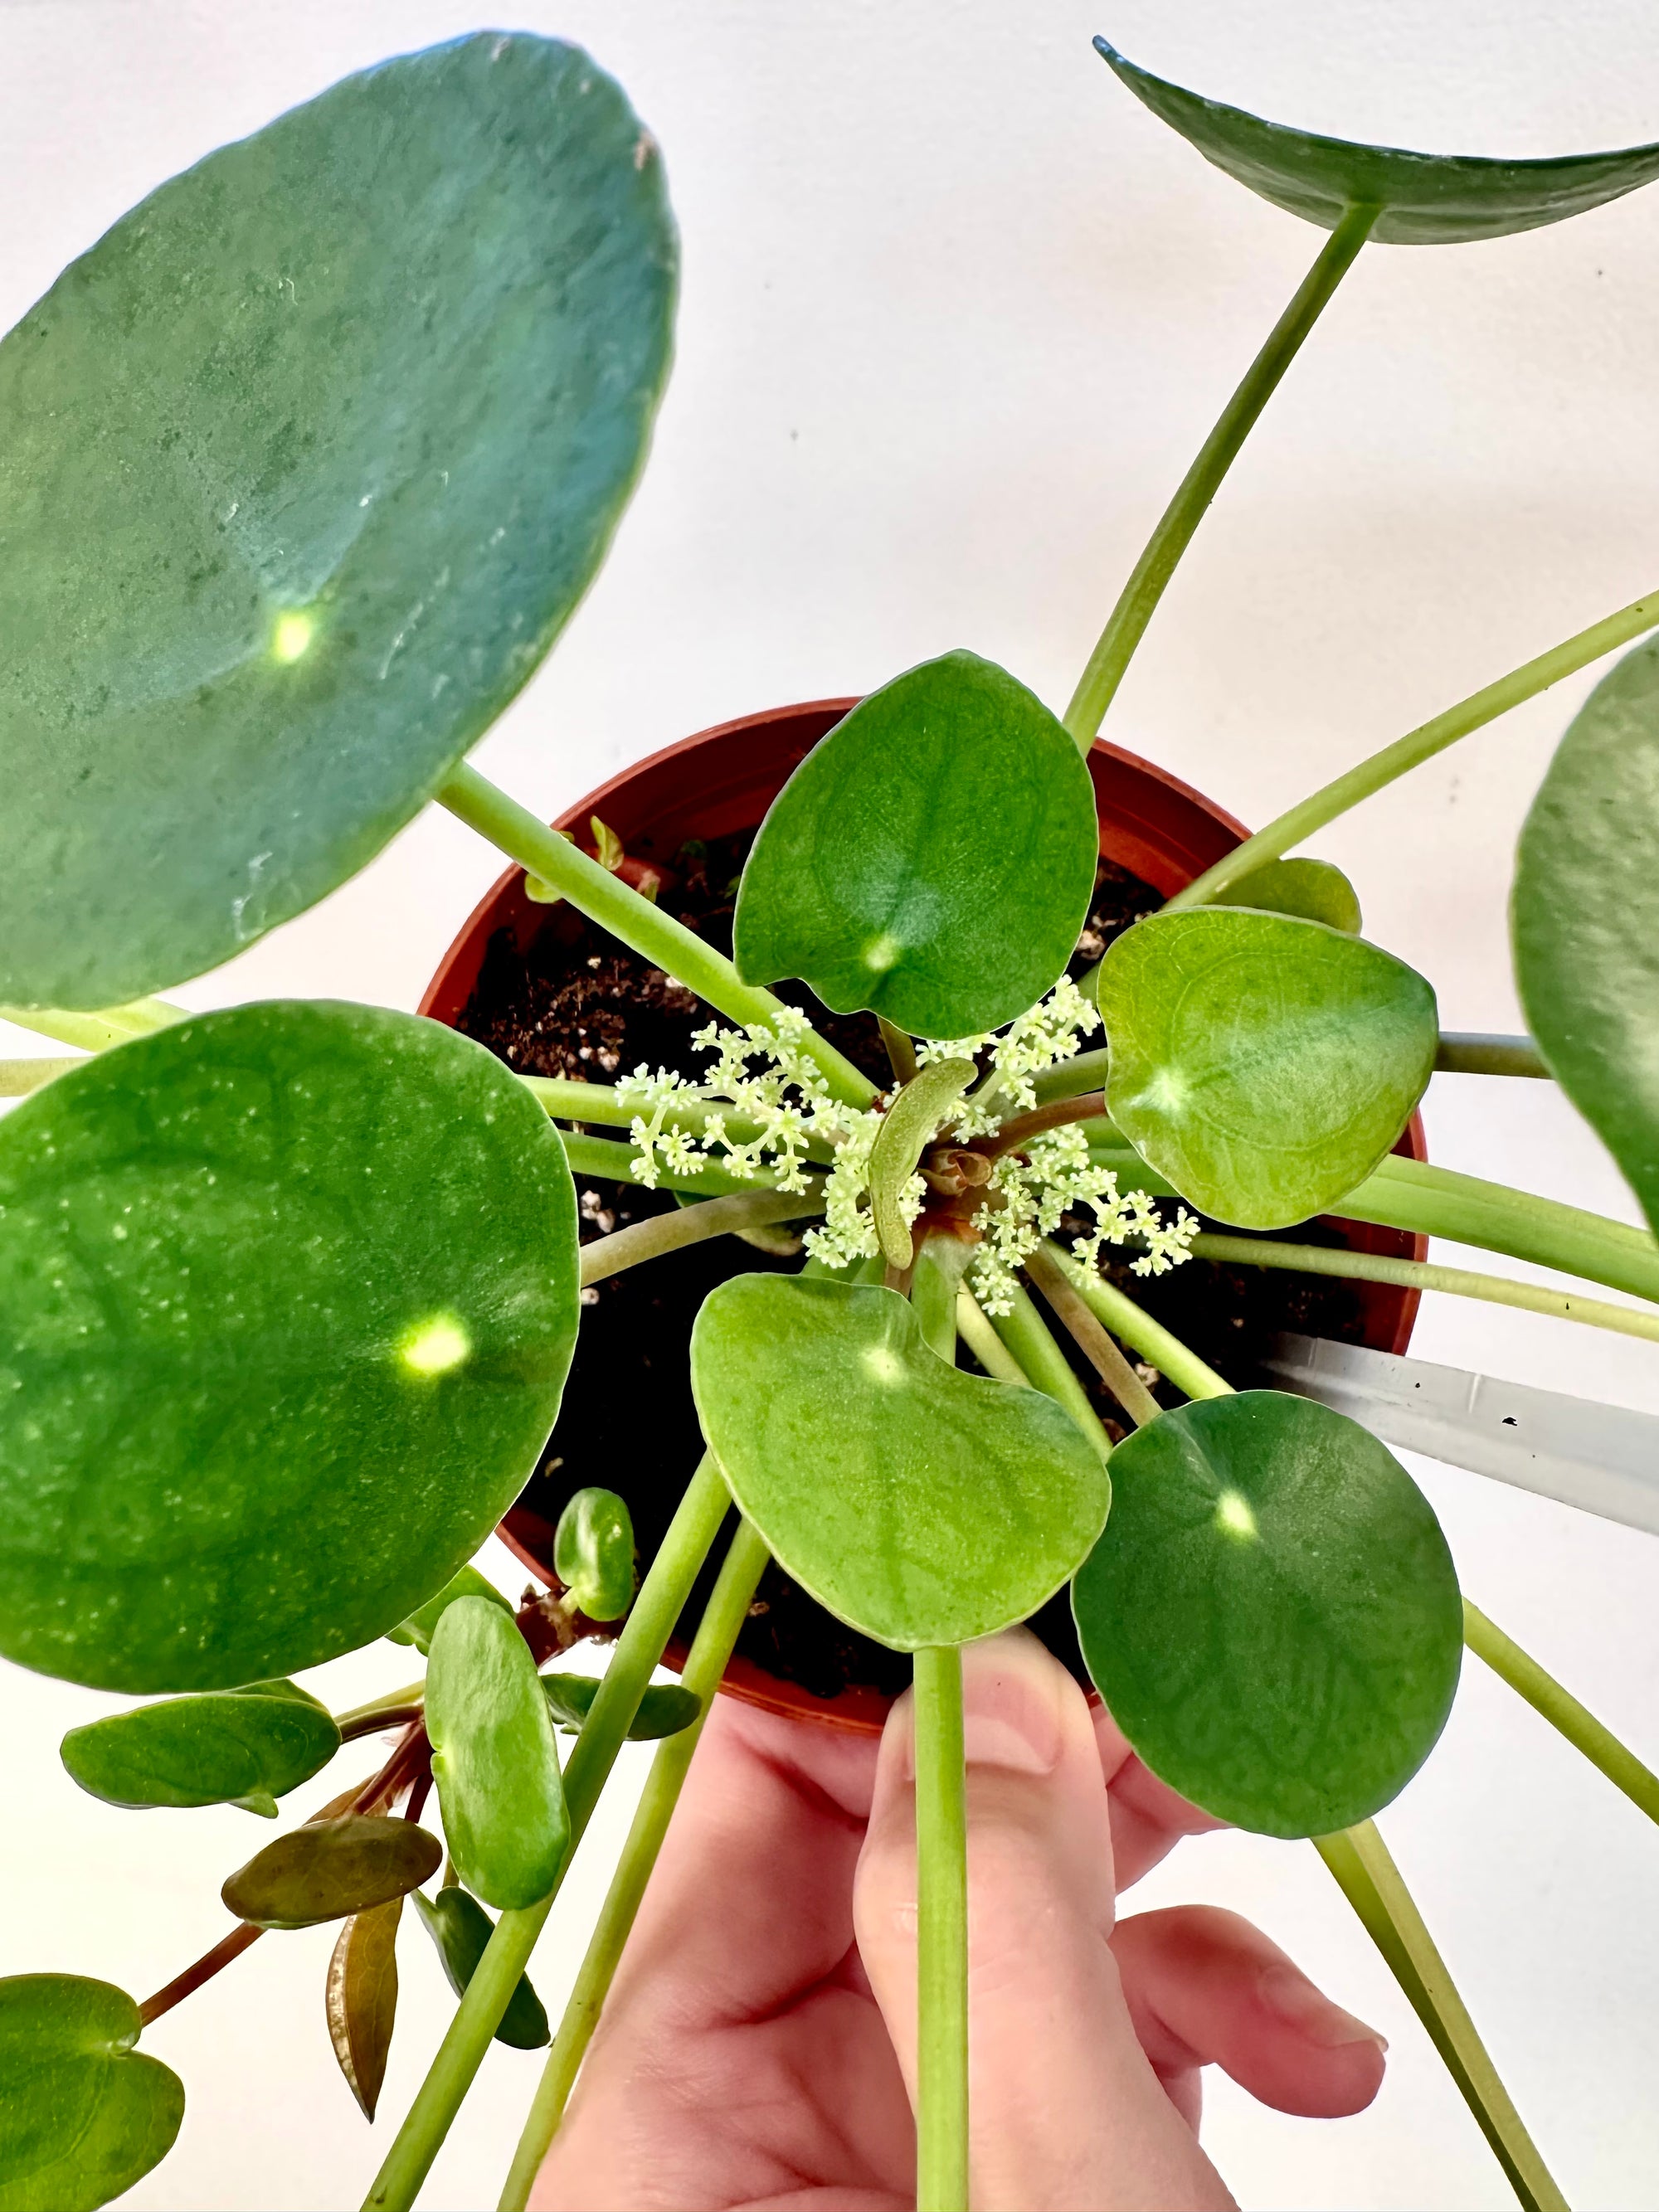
1070 1308
1119 1313
19 1077
654 935
1562 1711
382 1711
1152 572
935 1280
692 1224
1371 1882
1046 1367
1370 775
711 1647
1053 1115
1472 1052
696 1525
96 1032
203 1969
1420 1275
603 1156
941 1936
975 1329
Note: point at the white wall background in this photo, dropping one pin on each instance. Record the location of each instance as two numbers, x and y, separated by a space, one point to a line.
956 312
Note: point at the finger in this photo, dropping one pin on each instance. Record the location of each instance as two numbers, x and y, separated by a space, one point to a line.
1149 1819
1205 1987
751 1900
1065 2109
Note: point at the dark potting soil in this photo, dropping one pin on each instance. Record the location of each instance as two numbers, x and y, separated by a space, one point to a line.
580 1005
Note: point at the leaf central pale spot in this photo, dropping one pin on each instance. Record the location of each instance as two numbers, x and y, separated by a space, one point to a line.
1233 1514
884 1366
291 635
1166 1091
436 1347
881 953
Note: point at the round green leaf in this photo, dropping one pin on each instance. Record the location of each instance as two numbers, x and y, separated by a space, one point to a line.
237 1747
922 1505
460 1928
931 859
493 1757
329 1869
286 1297
1263 1064
593 1553
82 2116
1313 889
302 469
1427 199
1584 917
1272 1616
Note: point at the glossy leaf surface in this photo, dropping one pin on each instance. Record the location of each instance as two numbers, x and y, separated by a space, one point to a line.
461 1928
665 1710
417 1629
922 1505
82 2115
286 1297
1271 1616
931 859
1264 1064
1313 889
1585 917
329 1868
1427 199
361 1998
593 1553
493 1757
246 1747
302 469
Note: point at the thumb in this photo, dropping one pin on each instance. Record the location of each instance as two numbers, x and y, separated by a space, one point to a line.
1065 2108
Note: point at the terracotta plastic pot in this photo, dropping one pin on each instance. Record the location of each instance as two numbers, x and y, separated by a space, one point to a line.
722 782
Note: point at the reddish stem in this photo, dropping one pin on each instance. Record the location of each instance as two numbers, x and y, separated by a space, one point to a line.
1020 1131
183 1985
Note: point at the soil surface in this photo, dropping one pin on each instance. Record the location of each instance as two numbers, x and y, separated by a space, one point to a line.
580 1005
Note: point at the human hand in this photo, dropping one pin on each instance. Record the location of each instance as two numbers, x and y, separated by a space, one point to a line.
761 2030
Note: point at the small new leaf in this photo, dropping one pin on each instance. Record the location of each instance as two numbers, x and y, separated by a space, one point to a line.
460 1928
665 1710
593 1553
493 1757
1426 199
361 1998
908 1127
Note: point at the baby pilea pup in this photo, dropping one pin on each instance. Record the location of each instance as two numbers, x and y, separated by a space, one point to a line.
297 1286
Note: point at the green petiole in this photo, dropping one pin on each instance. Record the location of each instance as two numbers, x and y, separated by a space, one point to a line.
941 1936
691 1225
1562 1711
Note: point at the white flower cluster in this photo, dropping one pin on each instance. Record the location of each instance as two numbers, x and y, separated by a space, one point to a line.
763 1110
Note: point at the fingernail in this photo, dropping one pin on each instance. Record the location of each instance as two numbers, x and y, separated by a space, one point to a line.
1010 1705
1291 1998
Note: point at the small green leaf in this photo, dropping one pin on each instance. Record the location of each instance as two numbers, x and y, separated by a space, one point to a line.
665 1710
329 1869
908 1127
417 1629
1264 1064
931 859
493 1757
361 1998
593 1553
303 468
1584 917
461 1928
922 1505
1313 889
1272 1616
245 1747
286 1297
1427 199
82 2115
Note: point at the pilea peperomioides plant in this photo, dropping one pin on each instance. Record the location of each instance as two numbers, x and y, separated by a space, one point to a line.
302 469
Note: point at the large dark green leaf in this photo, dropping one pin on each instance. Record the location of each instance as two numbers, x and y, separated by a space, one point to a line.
931 859
1271 1616
493 1757
1585 917
461 1928
1264 1064
245 1747
329 1869
922 1505
1427 199
302 469
286 1297
82 2116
